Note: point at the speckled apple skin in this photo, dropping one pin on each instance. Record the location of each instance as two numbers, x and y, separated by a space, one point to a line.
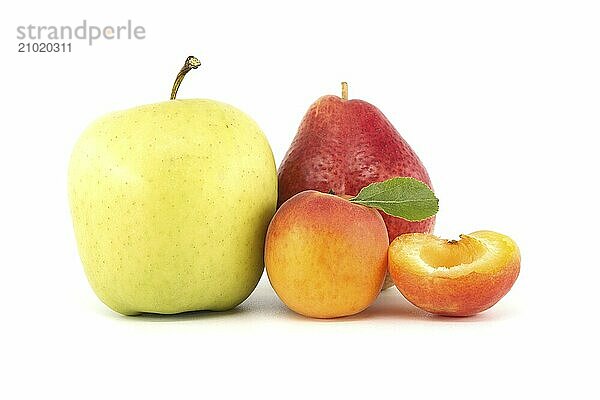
170 205
345 145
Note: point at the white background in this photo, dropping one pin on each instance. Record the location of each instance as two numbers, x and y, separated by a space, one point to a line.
501 100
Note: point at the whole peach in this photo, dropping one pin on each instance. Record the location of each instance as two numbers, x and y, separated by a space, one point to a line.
325 256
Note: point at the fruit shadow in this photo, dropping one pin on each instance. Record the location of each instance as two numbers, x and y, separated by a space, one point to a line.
184 316
392 306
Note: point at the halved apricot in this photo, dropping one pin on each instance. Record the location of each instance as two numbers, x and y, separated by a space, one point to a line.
454 277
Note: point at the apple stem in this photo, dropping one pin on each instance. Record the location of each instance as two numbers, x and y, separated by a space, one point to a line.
345 90
190 63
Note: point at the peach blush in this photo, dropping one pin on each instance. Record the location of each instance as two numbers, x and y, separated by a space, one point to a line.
325 256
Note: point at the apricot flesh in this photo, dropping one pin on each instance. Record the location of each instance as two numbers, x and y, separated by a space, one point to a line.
454 278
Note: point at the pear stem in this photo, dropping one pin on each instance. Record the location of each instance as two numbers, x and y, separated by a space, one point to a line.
190 63
345 90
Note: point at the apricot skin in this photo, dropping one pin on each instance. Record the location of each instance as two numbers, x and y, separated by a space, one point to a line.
326 257
476 288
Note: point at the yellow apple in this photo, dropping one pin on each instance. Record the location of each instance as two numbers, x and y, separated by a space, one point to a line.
170 205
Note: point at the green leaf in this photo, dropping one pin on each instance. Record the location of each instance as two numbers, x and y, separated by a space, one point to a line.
406 198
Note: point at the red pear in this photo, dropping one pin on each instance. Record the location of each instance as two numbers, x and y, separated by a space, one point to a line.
344 145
